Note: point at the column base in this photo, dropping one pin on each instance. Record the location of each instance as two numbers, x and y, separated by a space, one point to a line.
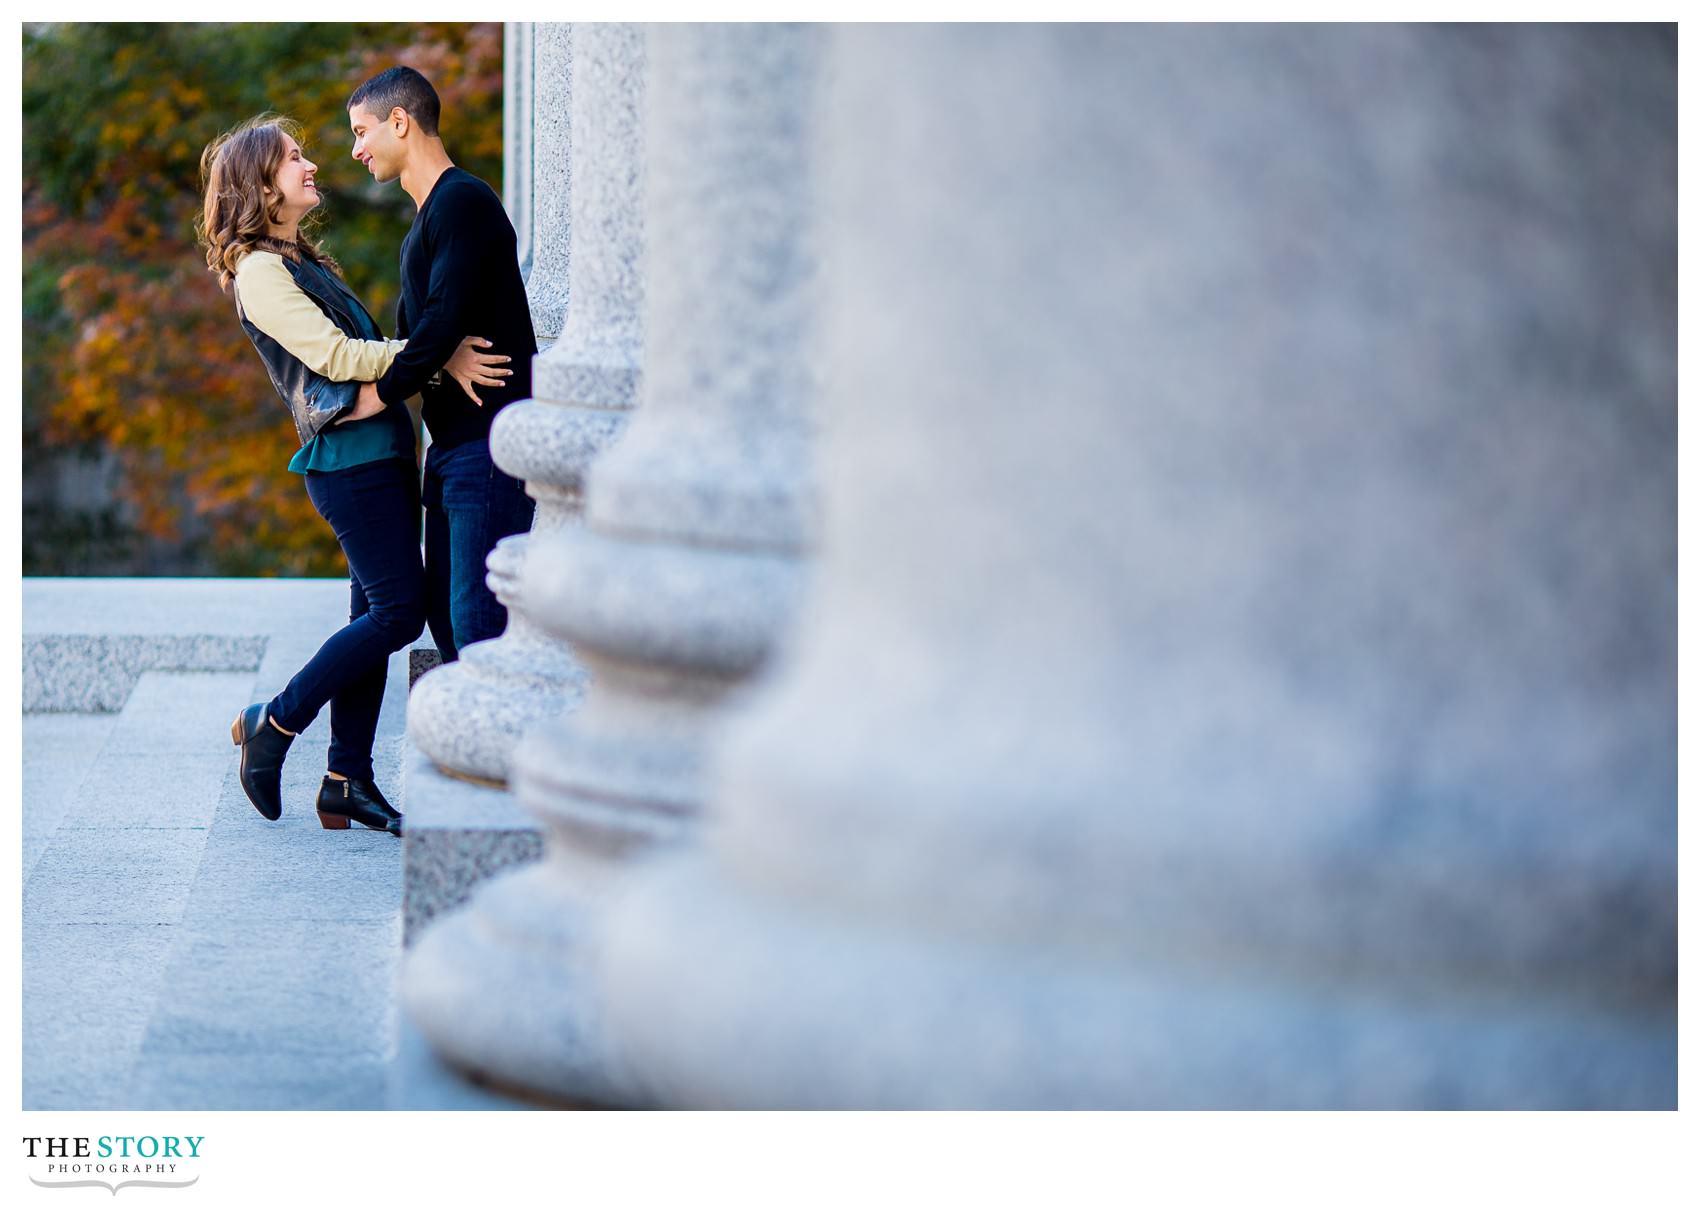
722 998
468 715
419 1081
503 989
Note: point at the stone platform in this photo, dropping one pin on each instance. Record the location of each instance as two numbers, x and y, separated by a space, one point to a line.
179 951
460 833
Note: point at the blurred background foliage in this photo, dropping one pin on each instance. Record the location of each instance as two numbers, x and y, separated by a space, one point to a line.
153 442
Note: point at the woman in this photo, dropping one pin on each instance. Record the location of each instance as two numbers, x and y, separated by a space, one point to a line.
357 457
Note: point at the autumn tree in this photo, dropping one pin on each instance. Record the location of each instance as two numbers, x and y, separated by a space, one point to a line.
129 345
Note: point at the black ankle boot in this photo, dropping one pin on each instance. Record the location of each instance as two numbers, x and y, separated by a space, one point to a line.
345 800
263 747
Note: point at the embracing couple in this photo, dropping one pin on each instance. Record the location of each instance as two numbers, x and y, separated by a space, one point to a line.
464 346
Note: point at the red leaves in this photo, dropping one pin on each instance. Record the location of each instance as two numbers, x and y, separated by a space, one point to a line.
129 344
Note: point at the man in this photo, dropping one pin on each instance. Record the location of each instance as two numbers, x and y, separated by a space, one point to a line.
459 276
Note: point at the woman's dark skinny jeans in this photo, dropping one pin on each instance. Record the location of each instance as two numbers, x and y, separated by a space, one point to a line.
374 510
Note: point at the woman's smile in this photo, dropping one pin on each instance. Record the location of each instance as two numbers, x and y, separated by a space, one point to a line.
297 180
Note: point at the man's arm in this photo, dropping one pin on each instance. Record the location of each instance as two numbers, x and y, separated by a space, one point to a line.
461 240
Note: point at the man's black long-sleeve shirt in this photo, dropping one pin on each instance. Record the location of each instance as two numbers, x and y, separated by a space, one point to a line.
459 278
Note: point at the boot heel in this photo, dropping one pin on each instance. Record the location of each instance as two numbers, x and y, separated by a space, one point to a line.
331 821
236 732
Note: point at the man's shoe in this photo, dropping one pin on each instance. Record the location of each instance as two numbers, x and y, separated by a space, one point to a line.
263 747
345 800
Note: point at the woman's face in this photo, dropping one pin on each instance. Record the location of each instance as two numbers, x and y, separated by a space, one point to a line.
294 182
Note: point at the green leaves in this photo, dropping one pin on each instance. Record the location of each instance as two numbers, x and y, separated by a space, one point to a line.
129 346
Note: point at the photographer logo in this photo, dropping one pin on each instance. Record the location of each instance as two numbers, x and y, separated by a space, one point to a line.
113 1162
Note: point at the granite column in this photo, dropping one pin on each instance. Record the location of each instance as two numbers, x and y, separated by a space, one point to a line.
1240 669
677 587
583 237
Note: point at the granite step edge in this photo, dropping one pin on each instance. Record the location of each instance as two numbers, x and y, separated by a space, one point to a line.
458 834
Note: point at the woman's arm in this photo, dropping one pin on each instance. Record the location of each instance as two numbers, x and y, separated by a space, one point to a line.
287 314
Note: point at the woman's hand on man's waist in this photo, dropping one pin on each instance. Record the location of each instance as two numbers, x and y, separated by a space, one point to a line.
366 404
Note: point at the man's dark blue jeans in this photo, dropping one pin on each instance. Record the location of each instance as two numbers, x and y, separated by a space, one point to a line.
374 510
470 505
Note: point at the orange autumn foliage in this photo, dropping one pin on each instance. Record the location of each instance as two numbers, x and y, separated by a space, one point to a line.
129 345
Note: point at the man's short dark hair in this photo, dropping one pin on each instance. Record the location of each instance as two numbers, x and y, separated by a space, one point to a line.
404 87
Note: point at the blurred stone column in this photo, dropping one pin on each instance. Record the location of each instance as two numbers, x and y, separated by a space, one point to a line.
1240 670
676 589
543 154
586 86
519 63
468 716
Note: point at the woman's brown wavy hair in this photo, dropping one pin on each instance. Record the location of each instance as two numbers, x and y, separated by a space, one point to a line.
236 168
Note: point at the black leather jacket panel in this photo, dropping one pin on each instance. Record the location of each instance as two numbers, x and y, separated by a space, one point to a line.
314 401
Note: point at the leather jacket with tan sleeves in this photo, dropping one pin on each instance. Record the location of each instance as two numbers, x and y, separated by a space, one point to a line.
317 367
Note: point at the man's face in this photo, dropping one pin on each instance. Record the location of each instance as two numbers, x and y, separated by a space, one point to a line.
375 142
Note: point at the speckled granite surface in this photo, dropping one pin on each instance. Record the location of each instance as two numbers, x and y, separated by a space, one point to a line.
458 835
174 942
422 658
1241 668
87 640
98 672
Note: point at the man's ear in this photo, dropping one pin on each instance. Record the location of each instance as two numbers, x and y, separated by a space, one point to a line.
401 121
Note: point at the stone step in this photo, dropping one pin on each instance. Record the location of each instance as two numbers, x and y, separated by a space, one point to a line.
422 658
113 863
59 750
179 950
87 640
279 988
85 673
458 834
